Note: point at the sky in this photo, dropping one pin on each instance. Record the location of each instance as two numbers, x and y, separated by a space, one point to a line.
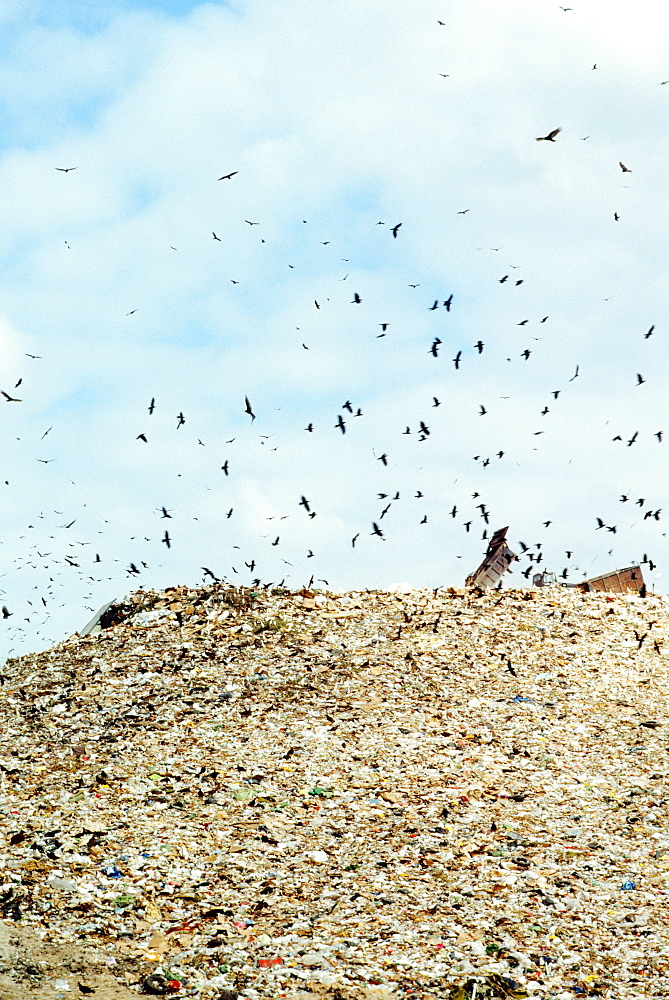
383 160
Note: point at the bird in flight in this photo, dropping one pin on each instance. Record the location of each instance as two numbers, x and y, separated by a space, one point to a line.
10 399
640 380
551 137
394 230
216 237
227 177
625 170
247 408
647 335
152 405
166 539
65 170
181 420
448 302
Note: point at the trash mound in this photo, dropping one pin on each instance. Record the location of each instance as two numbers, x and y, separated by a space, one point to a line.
232 793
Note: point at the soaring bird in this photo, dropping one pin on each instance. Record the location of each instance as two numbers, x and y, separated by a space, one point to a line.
394 230
247 408
551 137
226 177
625 170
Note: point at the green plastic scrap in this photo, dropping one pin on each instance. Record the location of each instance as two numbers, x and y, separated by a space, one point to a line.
125 901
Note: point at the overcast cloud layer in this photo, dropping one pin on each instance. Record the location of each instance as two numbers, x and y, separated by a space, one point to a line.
336 118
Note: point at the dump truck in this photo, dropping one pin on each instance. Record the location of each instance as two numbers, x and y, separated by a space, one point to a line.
495 564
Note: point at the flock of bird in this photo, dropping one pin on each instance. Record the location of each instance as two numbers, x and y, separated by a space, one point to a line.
472 514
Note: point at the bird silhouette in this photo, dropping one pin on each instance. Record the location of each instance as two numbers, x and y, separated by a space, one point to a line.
551 137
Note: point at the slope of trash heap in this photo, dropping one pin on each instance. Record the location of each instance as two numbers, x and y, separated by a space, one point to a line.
454 794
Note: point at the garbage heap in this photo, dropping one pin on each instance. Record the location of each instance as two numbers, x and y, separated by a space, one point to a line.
236 793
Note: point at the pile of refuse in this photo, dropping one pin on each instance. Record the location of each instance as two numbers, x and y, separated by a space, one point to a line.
228 793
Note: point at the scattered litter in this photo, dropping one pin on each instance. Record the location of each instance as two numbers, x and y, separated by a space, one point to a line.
256 794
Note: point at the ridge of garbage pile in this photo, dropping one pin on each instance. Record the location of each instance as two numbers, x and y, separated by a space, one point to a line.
250 793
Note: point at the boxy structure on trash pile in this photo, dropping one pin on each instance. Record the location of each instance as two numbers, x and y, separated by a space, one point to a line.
620 581
495 564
